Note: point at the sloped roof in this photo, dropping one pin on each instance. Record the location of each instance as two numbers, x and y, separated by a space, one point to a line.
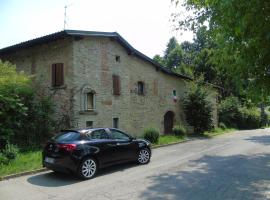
79 33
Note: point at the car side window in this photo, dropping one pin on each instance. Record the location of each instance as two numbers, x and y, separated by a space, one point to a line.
118 135
98 134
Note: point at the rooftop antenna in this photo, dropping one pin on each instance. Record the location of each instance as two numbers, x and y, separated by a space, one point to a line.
65 15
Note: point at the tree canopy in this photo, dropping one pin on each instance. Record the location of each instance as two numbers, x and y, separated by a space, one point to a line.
26 114
241 32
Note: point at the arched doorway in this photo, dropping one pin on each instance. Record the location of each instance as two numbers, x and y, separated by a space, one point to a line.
168 122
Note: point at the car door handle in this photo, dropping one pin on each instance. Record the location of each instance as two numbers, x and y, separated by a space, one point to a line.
121 144
112 145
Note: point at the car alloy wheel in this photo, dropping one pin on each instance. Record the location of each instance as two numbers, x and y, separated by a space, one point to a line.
88 168
144 156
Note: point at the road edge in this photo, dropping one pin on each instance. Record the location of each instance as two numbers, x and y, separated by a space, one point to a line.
23 174
173 143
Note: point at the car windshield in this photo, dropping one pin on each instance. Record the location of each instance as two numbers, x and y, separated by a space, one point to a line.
67 136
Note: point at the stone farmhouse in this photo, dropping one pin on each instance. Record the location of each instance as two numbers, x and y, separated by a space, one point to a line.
97 79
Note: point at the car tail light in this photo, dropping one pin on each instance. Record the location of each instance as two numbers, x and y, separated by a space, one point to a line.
67 147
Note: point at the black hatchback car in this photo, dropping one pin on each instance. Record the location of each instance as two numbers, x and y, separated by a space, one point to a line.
87 150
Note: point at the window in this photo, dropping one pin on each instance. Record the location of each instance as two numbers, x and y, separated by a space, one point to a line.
116 85
67 136
117 58
140 88
118 135
115 122
57 74
89 124
98 134
174 92
89 101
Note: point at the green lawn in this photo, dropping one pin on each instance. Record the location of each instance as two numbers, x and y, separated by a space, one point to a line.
218 131
167 139
24 162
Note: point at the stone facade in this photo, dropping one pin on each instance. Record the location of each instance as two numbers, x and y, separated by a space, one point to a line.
89 64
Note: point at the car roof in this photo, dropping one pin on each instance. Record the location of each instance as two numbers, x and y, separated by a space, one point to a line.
83 130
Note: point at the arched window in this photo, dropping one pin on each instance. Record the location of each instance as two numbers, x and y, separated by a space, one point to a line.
88 99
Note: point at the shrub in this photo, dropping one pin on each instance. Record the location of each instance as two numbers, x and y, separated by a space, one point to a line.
197 108
229 111
26 113
233 114
222 126
179 130
11 151
8 154
39 122
249 118
263 116
151 134
3 159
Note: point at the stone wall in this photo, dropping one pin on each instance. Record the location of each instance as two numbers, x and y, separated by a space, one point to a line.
94 65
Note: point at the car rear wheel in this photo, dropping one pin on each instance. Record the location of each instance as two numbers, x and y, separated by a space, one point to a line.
87 168
144 156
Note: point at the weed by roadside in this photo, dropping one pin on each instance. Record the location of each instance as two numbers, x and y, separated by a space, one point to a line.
167 139
25 161
218 131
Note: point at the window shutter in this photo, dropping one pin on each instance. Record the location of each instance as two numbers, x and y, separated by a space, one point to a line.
116 85
53 74
59 74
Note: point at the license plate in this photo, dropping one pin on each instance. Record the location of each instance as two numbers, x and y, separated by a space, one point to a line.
49 160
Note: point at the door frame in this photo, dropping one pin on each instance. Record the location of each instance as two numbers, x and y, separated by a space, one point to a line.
168 122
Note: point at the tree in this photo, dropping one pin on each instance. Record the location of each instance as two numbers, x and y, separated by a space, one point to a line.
188 53
240 29
204 66
157 58
170 47
14 87
174 59
26 116
197 108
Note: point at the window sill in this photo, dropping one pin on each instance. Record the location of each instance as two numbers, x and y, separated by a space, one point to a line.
58 87
88 112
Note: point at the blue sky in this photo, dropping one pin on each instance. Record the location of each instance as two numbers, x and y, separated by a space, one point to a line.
145 24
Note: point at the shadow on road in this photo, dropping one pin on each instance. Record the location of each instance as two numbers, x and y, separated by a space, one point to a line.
52 179
265 139
214 177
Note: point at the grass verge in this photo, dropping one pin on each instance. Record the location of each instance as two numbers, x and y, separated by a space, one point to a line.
25 161
218 131
167 139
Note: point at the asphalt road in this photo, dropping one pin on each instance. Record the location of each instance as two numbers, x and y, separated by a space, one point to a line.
232 166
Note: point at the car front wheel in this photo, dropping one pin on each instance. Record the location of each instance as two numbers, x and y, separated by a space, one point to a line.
144 156
87 168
